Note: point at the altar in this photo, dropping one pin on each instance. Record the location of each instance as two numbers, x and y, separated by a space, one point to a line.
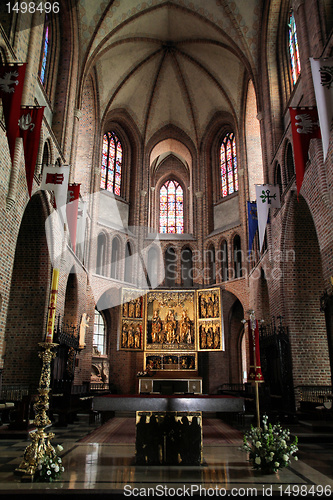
158 402
169 386
168 438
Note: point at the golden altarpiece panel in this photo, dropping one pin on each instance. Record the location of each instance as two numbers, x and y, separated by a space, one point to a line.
131 324
171 326
209 324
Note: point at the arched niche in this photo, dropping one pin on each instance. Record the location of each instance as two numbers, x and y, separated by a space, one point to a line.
70 318
170 260
186 267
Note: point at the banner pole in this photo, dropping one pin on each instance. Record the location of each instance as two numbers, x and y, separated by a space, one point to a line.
257 403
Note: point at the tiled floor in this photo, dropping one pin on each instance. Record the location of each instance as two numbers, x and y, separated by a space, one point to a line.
109 469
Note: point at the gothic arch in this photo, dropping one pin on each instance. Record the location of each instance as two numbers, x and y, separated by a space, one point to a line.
276 62
170 153
222 259
116 252
70 317
220 124
302 285
30 284
154 266
186 255
129 262
171 174
102 252
170 265
289 164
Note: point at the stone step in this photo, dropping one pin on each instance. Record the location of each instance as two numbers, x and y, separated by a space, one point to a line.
312 431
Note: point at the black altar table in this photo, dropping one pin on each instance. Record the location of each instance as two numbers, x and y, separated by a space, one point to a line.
152 402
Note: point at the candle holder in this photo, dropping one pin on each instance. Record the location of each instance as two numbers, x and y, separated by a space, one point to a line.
40 446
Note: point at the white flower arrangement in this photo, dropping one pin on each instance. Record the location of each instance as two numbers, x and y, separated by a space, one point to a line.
268 447
50 466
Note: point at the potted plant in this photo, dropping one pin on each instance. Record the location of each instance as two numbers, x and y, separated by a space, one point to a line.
50 467
269 447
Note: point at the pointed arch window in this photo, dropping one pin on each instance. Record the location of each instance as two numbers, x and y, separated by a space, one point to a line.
45 55
112 160
295 64
171 208
228 165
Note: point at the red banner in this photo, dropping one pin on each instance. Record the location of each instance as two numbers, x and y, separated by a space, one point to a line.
72 209
11 88
304 127
255 374
30 124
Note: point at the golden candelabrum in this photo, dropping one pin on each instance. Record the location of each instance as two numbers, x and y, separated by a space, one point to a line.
40 446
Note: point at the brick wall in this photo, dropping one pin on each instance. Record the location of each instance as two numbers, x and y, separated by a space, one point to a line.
289 277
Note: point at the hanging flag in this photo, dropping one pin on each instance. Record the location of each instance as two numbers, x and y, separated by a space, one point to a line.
267 197
253 221
56 179
72 207
11 89
322 76
304 127
255 373
81 228
30 124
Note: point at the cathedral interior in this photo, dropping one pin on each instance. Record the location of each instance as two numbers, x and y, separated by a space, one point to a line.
139 143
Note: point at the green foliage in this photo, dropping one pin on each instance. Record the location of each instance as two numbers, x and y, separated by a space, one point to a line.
268 447
50 467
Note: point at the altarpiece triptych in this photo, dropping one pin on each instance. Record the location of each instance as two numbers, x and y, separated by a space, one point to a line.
171 327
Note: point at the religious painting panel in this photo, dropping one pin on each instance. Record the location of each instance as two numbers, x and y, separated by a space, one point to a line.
209 320
131 321
170 322
173 361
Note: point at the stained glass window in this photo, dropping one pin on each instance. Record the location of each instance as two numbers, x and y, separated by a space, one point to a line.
228 165
293 49
112 159
45 53
171 208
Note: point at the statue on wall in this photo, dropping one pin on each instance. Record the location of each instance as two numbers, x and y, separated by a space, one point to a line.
216 306
203 307
138 308
131 335
83 326
137 337
131 309
156 327
209 336
125 310
170 327
185 329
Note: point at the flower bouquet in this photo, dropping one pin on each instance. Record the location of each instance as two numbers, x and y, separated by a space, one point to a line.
50 467
268 447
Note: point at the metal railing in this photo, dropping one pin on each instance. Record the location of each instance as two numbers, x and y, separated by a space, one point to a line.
14 392
313 393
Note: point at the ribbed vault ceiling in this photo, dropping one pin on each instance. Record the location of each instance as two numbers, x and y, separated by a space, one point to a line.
170 62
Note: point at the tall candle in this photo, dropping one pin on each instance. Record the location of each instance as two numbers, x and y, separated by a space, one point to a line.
52 306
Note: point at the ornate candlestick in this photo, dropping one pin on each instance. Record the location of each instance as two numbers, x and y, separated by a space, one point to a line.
41 446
